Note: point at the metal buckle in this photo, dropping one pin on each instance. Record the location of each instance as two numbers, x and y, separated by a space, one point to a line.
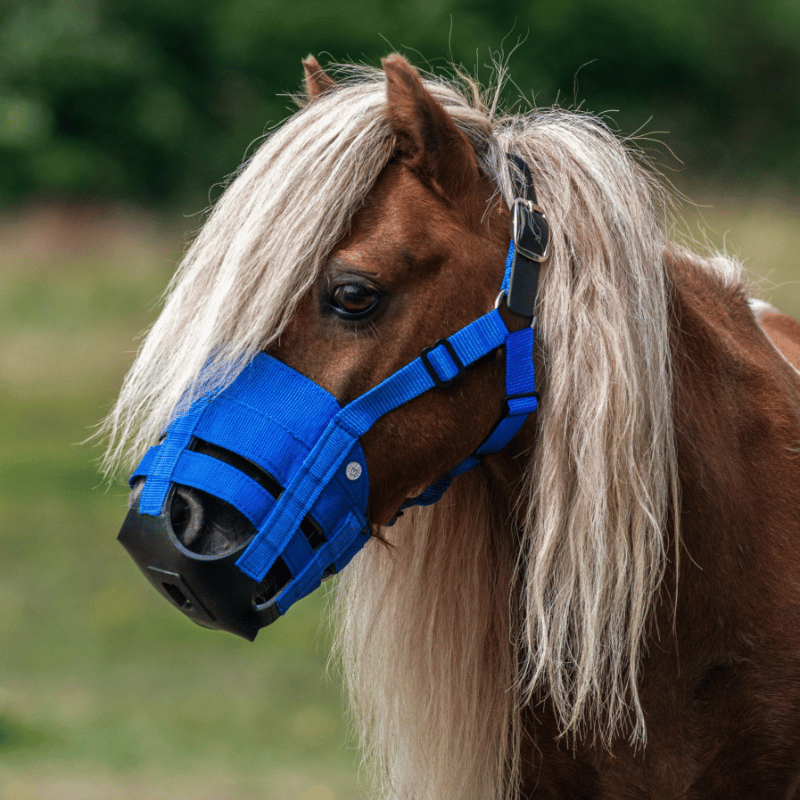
523 220
442 383
501 297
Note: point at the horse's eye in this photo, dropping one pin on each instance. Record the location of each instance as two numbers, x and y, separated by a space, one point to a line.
353 300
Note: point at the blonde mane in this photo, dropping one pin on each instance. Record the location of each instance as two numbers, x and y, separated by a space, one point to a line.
479 610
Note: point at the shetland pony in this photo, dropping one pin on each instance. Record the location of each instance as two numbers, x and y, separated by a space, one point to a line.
610 607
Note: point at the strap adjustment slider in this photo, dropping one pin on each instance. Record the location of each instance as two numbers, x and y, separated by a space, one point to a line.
433 371
522 403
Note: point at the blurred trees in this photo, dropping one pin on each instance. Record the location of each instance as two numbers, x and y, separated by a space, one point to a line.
156 100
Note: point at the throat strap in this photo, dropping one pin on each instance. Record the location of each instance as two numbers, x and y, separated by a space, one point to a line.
527 251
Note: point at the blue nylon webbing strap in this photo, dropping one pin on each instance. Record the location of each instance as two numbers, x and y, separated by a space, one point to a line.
217 478
297 553
521 401
471 343
346 540
143 467
520 373
159 478
225 482
317 471
507 272
521 397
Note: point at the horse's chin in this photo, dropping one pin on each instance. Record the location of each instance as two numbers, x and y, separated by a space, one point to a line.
409 499
416 491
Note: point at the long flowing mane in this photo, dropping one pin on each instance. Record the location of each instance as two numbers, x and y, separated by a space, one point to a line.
472 616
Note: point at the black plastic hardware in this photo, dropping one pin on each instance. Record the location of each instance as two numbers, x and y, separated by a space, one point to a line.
210 590
442 383
521 396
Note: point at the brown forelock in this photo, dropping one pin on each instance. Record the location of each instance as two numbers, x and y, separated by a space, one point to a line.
439 274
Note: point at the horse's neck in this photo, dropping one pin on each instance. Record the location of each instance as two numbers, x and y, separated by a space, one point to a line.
731 605
737 422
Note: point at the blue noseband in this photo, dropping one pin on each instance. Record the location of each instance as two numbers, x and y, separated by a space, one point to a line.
284 453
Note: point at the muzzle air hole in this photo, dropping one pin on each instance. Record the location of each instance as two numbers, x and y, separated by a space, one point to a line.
207 525
178 597
309 526
278 576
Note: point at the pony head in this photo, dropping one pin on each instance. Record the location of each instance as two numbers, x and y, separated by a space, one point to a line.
259 491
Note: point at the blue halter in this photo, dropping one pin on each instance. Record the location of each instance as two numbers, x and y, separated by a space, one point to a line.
282 451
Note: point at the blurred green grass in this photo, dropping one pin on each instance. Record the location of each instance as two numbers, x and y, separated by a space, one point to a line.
105 692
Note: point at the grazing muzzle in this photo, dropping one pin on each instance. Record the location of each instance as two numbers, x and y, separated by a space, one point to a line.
216 480
259 492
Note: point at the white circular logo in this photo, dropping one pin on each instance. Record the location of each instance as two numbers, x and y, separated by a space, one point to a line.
353 471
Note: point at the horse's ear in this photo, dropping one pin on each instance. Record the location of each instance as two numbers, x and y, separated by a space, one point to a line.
427 138
317 80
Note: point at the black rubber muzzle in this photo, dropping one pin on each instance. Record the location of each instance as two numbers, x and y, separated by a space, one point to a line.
231 601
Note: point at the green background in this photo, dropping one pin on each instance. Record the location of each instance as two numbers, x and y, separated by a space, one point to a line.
159 99
117 117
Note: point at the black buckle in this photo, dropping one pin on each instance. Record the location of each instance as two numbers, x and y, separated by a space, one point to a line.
521 396
442 383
